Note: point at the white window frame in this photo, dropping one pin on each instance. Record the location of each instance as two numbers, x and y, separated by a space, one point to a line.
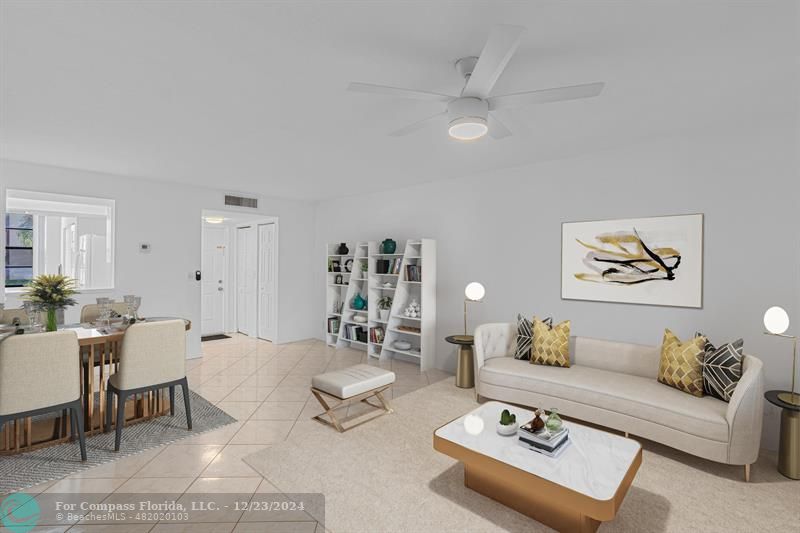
41 203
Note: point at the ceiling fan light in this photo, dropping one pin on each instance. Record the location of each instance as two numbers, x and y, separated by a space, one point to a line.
468 128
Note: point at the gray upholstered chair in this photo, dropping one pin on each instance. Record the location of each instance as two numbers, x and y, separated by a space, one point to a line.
91 312
40 373
152 357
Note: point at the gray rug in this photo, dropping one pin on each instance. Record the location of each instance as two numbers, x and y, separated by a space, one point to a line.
29 469
385 477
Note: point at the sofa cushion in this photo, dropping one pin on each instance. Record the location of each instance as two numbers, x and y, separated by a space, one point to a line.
550 343
682 363
634 396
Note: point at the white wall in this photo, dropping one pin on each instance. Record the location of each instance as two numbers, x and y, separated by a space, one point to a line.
168 216
504 229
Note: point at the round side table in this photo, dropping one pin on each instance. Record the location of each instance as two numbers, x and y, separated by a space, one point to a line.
465 374
789 451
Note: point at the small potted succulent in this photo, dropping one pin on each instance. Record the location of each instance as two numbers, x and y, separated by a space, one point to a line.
507 425
384 306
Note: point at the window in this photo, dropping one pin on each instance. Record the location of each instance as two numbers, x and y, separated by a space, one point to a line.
19 249
59 234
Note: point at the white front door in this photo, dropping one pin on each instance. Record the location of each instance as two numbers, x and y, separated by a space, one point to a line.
215 241
246 280
266 281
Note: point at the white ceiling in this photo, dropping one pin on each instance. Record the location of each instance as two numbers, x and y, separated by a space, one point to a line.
250 96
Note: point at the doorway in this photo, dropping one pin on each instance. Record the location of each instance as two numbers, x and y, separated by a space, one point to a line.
239 275
214 277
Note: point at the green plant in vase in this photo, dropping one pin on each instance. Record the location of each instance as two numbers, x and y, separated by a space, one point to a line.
51 292
507 425
384 306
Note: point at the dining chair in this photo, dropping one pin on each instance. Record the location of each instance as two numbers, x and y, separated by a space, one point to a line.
152 357
40 373
91 312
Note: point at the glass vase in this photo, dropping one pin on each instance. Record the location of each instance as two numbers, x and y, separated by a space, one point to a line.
52 322
554 421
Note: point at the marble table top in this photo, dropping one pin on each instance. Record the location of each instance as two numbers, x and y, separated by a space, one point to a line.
594 464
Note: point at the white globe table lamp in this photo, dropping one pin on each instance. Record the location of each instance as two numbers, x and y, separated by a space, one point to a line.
776 320
474 292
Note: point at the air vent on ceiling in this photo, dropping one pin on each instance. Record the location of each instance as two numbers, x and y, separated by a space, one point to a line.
241 201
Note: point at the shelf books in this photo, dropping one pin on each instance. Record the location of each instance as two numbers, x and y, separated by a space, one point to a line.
333 325
413 273
354 332
377 334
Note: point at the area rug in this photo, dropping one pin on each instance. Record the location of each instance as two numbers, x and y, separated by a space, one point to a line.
384 476
31 468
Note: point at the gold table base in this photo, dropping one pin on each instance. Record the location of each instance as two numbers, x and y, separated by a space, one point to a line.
789 453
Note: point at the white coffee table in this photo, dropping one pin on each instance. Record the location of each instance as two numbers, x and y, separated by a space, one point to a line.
573 492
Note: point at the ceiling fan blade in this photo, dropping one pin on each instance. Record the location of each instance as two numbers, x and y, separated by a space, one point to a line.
497 129
411 128
500 46
397 91
545 96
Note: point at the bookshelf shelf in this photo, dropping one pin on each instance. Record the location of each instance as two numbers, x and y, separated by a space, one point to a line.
412 272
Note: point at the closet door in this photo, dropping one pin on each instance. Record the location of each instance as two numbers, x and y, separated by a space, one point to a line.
246 280
266 281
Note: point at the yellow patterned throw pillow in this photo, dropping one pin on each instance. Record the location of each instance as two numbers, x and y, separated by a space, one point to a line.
550 343
682 363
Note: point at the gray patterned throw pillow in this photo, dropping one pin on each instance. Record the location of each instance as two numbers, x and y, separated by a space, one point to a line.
525 336
722 368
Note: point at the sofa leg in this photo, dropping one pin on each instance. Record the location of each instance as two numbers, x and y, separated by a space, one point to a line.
747 473
626 435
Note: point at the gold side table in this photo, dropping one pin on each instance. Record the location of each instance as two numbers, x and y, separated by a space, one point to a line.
465 374
789 451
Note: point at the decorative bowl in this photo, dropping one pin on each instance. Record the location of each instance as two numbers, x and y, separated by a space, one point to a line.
508 430
402 345
361 319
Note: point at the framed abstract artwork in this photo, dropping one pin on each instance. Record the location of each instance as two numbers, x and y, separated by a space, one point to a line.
653 261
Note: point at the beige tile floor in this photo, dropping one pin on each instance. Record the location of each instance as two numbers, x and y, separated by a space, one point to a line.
266 388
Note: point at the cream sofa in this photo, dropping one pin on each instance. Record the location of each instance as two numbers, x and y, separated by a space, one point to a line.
614 384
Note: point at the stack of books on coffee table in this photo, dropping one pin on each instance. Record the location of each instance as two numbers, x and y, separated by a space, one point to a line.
551 444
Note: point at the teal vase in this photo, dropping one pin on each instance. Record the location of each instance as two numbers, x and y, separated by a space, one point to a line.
359 302
389 246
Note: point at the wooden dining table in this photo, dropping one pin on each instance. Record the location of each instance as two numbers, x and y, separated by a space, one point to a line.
99 358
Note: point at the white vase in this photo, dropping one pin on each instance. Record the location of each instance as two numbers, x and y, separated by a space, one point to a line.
384 314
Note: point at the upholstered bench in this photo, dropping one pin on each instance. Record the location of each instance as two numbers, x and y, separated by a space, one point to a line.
357 383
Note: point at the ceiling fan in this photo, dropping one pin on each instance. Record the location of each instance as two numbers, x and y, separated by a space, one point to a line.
469 114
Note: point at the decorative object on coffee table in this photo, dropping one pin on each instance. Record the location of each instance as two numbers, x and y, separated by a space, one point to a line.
507 425
51 292
465 373
554 421
776 320
789 446
655 260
